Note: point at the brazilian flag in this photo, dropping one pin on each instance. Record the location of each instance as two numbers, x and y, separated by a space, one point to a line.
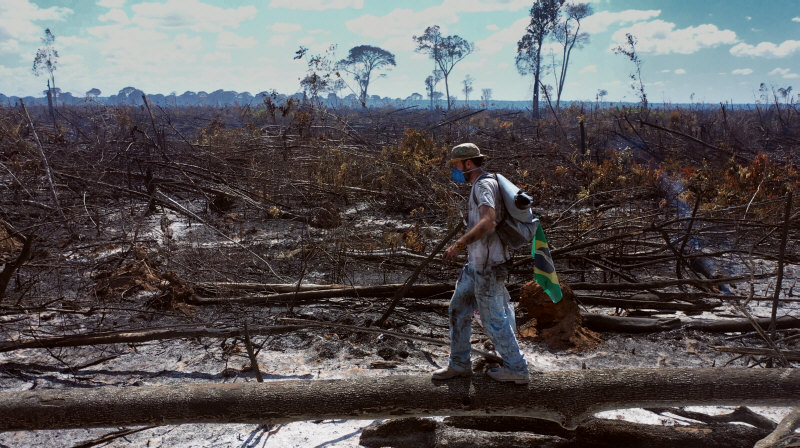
544 272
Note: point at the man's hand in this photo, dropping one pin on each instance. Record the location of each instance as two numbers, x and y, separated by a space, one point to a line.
484 226
452 252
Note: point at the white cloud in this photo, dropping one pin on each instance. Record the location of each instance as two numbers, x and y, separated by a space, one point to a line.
496 42
492 27
469 64
279 40
795 19
407 22
402 44
227 40
317 5
767 49
742 71
588 69
748 18
660 37
190 14
666 71
458 6
679 71
133 53
110 3
283 27
73 41
17 19
307 41
784 73
116 16
401 22
599 22
217 57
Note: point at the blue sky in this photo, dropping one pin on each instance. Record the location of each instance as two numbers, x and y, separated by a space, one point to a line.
701 51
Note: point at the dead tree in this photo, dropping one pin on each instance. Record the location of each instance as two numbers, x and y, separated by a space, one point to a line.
510 432
566 397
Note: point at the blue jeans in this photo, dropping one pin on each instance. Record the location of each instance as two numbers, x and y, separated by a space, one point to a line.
486 291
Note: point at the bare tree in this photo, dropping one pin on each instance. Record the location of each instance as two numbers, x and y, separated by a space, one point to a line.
629 51
785 93
544 14
601 93
361 61
486 96
446 51
430 84
45 62
321 75
467 88
437 97
568 34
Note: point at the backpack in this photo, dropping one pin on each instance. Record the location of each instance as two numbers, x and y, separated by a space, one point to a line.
518 226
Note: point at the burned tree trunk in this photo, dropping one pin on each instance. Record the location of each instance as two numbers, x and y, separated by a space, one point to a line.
509 432
566 397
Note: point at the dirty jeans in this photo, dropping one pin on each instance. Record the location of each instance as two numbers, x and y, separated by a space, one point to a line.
487 291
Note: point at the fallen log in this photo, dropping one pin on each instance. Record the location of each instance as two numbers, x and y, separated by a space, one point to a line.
212 289
694 296
428 433
132 336
566 397
740 325
155 334
504 432
602 322
418 291
784 432
742 414
644 304
641 286
217 288
790 355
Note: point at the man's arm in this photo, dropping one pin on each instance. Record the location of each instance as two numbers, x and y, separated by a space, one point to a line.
485 225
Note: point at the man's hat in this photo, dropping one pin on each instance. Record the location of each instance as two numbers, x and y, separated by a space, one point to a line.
465 151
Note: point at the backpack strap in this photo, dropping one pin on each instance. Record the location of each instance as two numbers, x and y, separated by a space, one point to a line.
472 191
498 201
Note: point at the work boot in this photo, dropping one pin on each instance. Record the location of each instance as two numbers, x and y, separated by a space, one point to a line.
505 375
449 372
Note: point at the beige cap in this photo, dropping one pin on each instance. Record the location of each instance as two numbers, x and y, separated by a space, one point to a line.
465 151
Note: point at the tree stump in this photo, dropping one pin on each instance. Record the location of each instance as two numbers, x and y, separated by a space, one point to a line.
559 325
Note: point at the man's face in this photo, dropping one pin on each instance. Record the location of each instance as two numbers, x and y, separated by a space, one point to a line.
460 165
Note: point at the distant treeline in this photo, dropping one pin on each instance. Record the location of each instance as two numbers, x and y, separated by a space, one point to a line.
131 96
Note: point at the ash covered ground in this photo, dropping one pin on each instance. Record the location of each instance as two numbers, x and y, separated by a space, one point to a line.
302 355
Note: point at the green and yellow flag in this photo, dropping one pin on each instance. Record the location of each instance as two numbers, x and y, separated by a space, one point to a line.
544 271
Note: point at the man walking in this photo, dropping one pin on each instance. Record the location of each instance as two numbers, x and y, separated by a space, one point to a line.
481 283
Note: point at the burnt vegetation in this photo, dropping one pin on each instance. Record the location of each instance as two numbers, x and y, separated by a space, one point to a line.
145 217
